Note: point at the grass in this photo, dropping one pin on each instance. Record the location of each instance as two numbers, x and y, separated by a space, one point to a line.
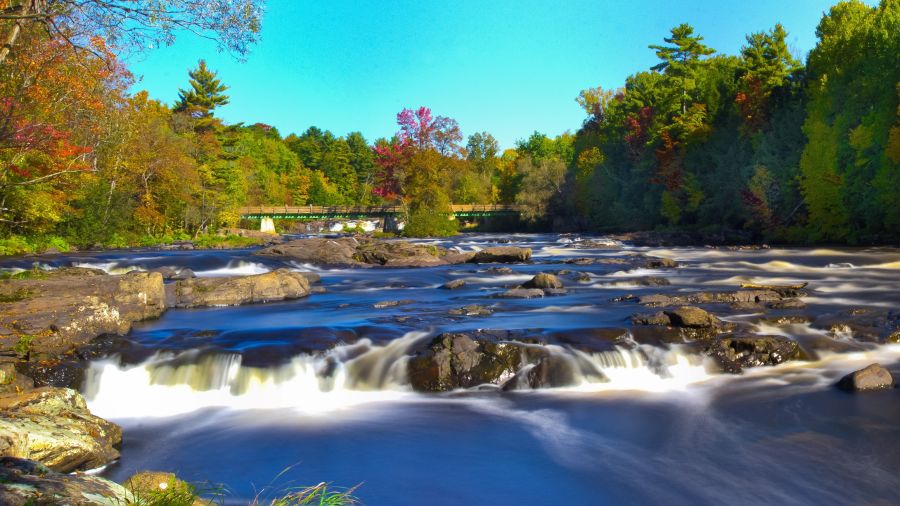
16 296
318 495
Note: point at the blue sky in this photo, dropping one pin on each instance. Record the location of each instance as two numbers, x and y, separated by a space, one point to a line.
507 67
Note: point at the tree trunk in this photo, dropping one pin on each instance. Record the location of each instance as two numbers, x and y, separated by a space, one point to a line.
10 39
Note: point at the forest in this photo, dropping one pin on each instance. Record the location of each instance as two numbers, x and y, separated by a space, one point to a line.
758 145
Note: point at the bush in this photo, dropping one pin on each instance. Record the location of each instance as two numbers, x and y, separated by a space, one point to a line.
16 245
427 223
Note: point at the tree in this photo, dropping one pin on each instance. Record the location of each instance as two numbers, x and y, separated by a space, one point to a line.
767 65
133 24
680 58
206 92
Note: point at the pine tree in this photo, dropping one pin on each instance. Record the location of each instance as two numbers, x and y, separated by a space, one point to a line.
205 94
680 58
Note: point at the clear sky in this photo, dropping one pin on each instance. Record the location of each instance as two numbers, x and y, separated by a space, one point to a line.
508 67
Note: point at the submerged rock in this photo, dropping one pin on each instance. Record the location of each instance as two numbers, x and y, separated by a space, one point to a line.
863 324
54 427
454 284
502 254
740 296
392 303
499 270
25 482
472 310
735 353
232 291
66 309
521 293
873 377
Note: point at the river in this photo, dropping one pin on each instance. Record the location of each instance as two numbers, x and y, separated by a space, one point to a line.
261 398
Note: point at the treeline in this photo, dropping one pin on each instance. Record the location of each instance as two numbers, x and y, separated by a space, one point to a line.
757 143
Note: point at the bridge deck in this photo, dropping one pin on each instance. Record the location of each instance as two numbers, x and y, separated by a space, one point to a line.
317 212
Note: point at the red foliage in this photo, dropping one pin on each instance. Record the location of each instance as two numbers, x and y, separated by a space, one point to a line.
669 174
638 127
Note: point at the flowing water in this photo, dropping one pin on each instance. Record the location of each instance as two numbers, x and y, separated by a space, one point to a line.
318 387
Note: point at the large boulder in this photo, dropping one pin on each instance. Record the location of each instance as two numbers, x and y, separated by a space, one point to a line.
25 483
54 427
54 313
501 255
686 323
543 281
277 285
873 377
317 250
736 297
455 360
734 353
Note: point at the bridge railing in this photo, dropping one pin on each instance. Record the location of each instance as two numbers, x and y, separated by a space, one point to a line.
364 210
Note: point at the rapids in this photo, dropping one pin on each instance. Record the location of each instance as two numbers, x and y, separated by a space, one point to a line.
318 386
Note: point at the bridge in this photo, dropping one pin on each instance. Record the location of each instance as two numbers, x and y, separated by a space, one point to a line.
266 214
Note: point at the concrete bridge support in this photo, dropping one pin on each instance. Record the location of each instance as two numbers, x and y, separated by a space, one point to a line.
267 225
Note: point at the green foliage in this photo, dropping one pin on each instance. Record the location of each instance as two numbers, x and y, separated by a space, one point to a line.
23 345
205 94
318 495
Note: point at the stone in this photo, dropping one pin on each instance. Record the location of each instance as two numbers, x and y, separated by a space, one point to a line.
735 353
454 284
392 303
542 281
521 293
456 360
54 427
502 254
316 250
499 270
277 285
25 482
69 308
873 377
687 316
363 251
472 310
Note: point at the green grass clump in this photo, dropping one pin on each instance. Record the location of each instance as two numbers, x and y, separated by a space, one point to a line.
23 347
318 495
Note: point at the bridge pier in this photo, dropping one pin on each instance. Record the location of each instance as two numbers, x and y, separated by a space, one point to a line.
267 225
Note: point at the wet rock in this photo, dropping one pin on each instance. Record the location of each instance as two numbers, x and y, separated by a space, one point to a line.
455 360
232 291
873 377
865 325
551 371
521 293
391 303
786 304
25 482
735 353
312 277
454 284
685 324
363 251
54 427
499 270
317 250
502 254
741 296
785 320
583 277
660 263
688 316
644 281
555 291
174 274
542 281
67 310
472 310
13 381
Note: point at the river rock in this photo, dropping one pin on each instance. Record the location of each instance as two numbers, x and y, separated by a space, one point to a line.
392 303
454 284
734 353
277 285
64 310
455 360
54 427
26 483
542 281
521 293
873 377
174 274
499 270
687 322
472 310
13 381
863 324
364 251
502 255
740 296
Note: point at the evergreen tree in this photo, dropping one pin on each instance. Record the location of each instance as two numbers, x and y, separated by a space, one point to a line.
680 58
205 94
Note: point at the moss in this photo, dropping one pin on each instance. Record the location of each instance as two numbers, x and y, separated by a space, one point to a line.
23 347
16 296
